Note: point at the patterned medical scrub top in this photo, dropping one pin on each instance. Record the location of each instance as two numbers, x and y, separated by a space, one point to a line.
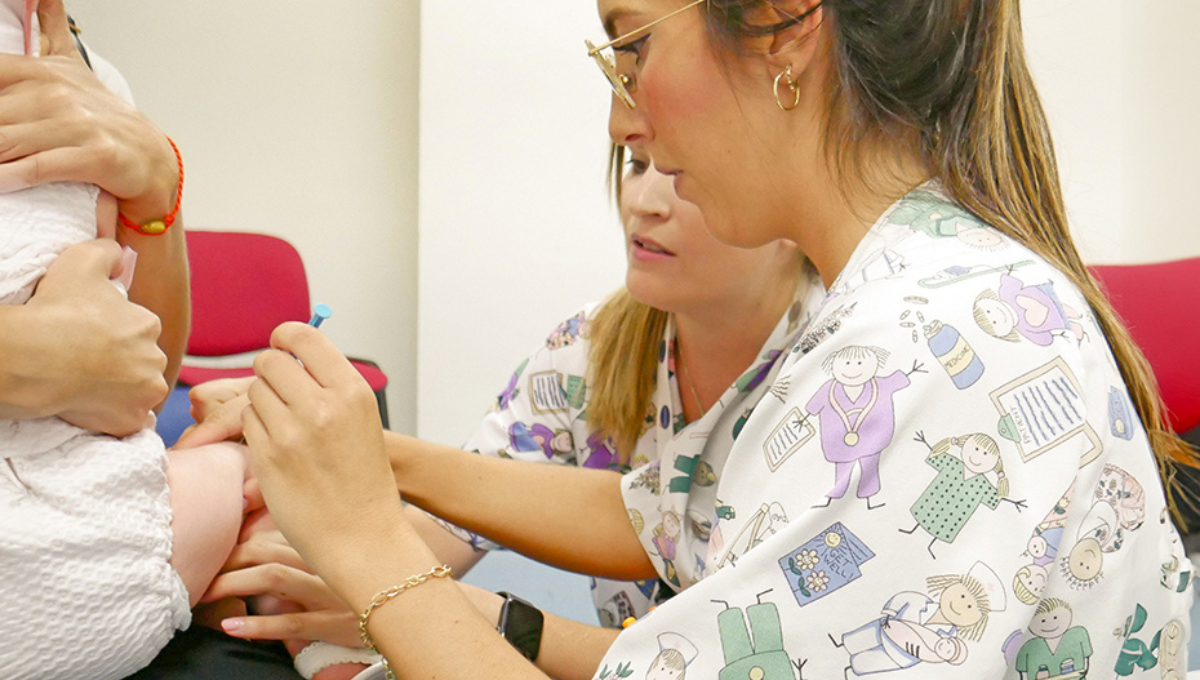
946 473
541 417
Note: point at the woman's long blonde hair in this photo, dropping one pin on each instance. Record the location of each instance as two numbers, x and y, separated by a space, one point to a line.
952 74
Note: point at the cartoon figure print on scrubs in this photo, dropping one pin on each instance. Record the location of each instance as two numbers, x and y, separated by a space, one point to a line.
541 417
855 408
966 466
1038 592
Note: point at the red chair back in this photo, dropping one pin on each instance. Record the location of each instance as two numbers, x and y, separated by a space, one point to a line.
1160 304
263 274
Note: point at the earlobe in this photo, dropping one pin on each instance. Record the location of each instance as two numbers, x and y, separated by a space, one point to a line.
795 46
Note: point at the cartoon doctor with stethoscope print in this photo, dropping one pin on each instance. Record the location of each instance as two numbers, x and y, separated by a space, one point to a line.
857 416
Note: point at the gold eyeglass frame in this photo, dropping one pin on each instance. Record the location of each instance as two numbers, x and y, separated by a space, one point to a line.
608 65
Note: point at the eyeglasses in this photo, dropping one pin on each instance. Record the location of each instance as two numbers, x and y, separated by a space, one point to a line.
622 83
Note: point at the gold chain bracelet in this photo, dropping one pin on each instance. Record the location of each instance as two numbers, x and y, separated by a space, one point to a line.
384 596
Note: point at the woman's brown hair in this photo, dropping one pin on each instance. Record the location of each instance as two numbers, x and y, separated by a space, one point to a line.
952 76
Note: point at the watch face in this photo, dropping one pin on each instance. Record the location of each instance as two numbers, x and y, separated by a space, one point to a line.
521 625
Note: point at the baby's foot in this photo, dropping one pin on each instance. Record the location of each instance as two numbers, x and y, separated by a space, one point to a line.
342 671
323 661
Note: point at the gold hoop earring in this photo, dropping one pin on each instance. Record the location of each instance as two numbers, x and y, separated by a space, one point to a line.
786 76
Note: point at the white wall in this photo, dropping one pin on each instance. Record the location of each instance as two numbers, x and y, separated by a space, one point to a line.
514 234
297 119
1160 98
516 228
1119 84
1075 50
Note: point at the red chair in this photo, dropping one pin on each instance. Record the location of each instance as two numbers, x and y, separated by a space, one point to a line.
243 286
1158 304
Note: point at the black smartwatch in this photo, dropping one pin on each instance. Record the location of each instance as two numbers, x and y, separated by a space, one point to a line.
521 624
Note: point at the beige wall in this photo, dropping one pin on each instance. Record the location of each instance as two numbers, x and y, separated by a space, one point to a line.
1160 101
1120 86
297 119
517 231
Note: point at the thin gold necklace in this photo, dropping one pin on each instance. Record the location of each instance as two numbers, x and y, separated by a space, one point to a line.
691 384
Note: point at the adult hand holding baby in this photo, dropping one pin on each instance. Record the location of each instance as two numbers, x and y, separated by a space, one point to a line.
266 565
58 122
92 357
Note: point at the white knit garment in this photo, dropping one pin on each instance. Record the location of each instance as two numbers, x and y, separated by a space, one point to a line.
85 536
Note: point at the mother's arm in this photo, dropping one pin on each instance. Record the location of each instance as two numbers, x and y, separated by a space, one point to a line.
162 285
58 122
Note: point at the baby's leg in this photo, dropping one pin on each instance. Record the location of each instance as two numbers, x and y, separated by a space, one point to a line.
206 505
206 499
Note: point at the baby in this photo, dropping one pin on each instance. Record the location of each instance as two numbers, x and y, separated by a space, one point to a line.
105 543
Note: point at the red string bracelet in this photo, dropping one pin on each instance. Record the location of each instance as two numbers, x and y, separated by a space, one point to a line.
159 227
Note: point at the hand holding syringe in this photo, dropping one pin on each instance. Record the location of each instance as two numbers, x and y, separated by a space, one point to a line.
218 405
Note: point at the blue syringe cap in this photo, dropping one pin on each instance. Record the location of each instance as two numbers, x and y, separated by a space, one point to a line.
320 313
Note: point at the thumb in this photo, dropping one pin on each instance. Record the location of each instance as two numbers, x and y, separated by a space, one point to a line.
99 258
56 30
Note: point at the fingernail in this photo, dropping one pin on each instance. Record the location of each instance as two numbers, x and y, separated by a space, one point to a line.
245 504
232 625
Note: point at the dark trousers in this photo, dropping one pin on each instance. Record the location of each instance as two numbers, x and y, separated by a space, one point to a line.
200 653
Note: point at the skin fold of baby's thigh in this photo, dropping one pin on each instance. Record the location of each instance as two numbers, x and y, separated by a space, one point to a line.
207 508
